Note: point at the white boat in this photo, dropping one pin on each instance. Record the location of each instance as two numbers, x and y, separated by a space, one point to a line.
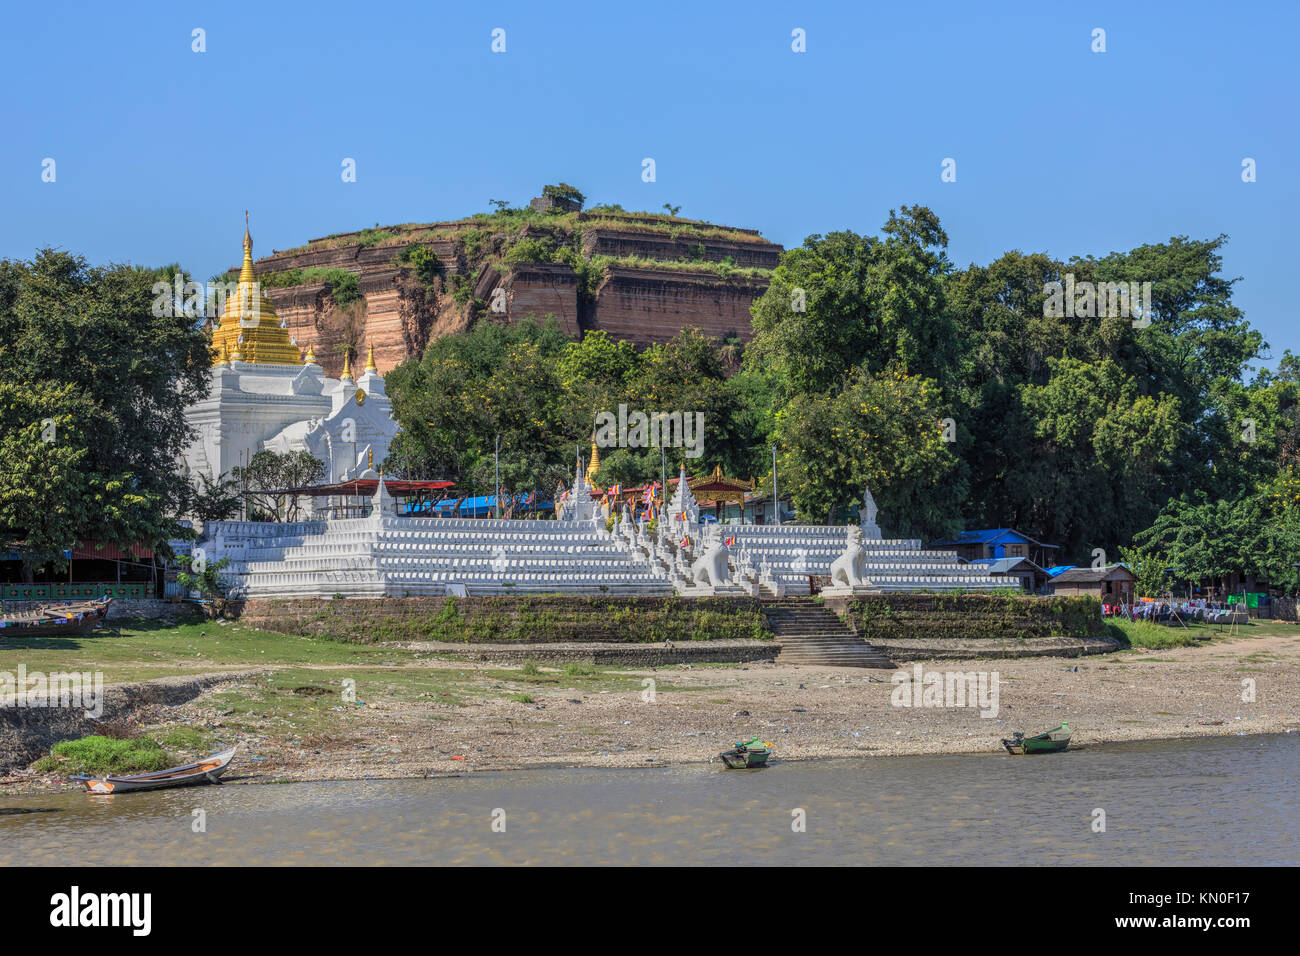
207 770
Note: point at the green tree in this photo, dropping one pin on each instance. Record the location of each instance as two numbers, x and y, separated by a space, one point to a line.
880 432
843 300
215 500
268 480
85 347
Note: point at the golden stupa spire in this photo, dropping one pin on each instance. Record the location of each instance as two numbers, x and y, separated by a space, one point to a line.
370 361
246 270
251 315
595 460
347 366
311 354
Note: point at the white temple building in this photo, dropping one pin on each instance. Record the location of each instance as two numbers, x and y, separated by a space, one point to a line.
264 394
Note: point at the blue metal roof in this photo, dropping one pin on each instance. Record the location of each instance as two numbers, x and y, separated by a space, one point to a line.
989 536
985 537
1059 568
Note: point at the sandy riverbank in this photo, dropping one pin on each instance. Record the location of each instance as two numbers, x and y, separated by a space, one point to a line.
431 716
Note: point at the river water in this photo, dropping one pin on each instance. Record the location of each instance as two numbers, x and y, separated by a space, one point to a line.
1213 801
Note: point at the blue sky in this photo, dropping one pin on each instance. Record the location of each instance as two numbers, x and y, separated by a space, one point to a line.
159 149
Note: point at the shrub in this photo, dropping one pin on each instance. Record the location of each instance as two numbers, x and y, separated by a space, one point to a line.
99 756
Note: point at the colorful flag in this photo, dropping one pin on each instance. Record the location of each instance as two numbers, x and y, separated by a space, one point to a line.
685 542
729 541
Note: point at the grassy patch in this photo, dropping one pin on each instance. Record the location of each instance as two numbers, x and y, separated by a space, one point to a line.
1138 634
185 739
105 755
142 650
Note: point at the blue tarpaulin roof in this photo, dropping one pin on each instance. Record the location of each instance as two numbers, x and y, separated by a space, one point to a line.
474 507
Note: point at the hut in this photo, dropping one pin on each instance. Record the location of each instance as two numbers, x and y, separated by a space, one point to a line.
1112 584
1029 576
996 543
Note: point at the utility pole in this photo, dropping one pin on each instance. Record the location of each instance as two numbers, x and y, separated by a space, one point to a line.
663 477
776 502
496 464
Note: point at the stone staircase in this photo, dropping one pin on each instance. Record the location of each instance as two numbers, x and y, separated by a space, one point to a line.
811 633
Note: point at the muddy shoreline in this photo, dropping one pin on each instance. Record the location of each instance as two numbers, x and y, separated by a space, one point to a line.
412 720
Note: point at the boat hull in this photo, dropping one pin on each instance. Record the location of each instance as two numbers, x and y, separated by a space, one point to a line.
208 770
742 759
48 622
1053 741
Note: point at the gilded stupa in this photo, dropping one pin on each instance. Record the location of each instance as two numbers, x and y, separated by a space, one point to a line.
249 330
263 395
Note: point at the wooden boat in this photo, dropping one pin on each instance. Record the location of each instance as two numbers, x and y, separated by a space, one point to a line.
1052 741
746 755
51 619
207 770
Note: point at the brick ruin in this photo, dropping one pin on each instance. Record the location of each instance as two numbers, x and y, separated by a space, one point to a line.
650 277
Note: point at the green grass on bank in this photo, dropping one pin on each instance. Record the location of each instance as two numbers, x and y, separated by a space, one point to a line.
141 650
99 756
1139 634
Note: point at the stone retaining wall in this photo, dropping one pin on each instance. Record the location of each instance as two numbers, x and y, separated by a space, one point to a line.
939 618
624 655
523 619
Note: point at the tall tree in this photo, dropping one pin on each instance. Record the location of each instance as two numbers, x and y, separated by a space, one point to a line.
90 350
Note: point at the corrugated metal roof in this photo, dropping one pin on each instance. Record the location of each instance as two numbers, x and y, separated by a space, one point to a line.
988 536
1091 575
1004 565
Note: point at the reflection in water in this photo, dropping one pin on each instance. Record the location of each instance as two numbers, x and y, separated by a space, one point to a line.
1220 801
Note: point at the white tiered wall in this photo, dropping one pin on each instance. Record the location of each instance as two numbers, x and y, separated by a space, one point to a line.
387 555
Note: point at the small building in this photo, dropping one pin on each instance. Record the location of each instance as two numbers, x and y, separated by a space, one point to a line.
1029 576
996 543
1112 584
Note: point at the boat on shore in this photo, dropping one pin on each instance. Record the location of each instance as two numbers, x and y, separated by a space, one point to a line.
47 620
746 755
1051 741
207 770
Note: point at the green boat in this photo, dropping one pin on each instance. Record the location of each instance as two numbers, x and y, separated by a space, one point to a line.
1053 741
747 754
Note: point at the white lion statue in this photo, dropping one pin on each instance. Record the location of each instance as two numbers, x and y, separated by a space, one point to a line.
849 569
711 567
